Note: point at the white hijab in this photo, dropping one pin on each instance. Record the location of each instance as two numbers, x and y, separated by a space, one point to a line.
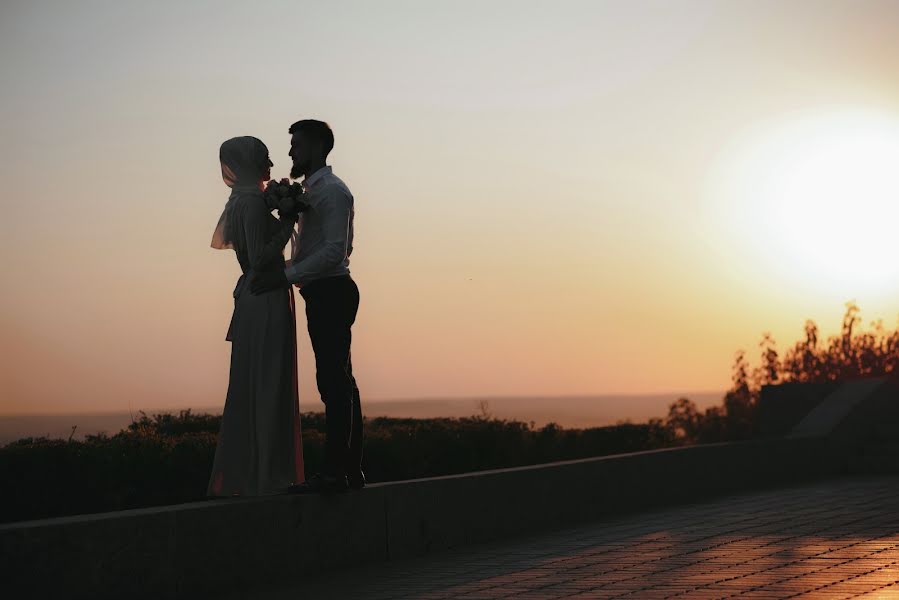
243 160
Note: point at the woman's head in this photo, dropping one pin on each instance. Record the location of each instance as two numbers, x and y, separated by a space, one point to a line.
245 162
245 166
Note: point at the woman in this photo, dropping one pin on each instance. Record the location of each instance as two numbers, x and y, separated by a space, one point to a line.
259 450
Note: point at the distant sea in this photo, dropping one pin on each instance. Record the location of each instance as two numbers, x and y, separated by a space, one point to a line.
566 411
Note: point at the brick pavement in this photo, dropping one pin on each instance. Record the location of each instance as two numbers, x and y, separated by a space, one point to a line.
835 539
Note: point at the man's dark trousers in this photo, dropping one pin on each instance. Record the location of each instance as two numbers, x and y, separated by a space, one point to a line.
331 306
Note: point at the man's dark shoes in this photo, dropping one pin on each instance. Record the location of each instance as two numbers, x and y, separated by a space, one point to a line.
356 481
320 483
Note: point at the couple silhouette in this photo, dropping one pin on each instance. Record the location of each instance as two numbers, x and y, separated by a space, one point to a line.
259 449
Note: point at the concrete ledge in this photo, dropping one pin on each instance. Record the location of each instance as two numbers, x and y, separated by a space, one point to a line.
833 411
782 406
231 545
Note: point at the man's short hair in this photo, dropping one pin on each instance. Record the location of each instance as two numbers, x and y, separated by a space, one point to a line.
318 131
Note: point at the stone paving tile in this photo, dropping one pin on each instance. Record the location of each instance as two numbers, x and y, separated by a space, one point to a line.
833 539
885 593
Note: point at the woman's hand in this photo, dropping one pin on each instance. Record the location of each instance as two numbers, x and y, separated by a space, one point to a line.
290 208
287 209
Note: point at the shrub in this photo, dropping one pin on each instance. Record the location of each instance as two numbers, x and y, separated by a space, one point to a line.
166 459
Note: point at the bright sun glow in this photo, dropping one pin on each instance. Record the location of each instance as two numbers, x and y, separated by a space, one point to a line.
818 198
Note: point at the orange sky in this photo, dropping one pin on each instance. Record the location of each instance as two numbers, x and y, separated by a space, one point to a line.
555 199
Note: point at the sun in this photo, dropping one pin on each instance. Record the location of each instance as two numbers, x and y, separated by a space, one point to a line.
817 199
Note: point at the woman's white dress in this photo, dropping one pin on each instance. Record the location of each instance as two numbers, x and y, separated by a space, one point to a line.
259 449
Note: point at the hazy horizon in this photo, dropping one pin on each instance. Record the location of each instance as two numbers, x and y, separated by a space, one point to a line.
317 402
566 411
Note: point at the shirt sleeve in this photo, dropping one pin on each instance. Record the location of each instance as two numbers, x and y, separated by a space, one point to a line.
335 210
263 247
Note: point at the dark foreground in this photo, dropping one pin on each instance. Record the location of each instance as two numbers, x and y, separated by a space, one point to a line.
837 539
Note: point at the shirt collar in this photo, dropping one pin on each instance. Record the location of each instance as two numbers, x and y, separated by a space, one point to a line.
310 180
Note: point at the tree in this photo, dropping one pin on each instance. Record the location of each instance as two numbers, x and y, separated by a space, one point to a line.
684 420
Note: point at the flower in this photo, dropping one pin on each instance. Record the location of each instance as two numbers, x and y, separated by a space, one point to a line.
284 196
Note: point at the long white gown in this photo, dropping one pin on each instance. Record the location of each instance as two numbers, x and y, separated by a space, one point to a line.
259 449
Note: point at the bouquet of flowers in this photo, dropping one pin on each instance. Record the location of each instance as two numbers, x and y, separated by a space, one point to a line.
285 196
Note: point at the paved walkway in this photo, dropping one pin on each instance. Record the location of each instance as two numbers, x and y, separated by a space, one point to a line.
838 539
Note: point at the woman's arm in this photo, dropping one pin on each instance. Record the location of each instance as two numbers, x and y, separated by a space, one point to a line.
262 248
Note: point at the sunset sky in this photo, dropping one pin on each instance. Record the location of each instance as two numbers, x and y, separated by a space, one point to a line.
551 197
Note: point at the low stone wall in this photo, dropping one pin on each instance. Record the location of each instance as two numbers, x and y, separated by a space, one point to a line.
781 407
226 546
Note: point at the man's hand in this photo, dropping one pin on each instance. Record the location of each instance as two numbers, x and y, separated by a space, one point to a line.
261 283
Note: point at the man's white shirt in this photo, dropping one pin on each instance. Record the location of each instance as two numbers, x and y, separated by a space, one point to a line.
325 239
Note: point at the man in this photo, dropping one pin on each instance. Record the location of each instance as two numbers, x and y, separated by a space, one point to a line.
321 271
